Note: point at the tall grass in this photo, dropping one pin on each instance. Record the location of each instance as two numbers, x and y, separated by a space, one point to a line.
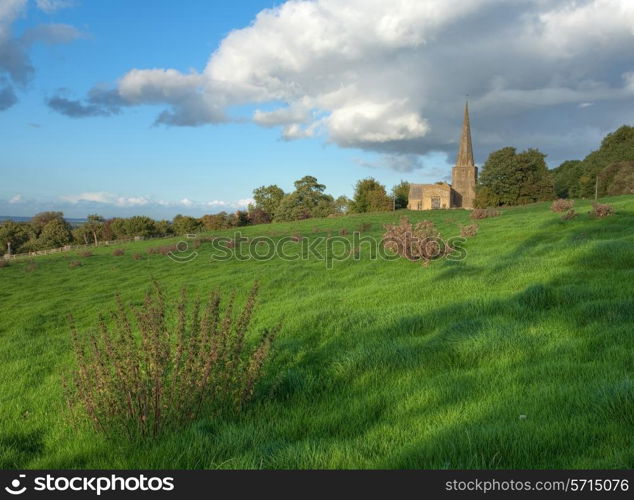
157 367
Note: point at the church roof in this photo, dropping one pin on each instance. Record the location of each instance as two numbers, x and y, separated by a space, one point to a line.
465 154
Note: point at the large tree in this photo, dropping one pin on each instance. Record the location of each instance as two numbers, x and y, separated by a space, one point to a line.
400 193
14 235
184 224
267 199
511 178
370 196
56 233
308 200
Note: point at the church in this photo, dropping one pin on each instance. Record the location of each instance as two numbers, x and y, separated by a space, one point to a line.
461 192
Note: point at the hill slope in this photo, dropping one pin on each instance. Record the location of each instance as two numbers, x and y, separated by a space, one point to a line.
519 356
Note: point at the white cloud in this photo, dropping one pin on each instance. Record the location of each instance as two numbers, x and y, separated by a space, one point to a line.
109 199
245 202
391 76
50 6
134 201
16 199
94 197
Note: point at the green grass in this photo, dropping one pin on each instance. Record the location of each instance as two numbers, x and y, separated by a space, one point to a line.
378 364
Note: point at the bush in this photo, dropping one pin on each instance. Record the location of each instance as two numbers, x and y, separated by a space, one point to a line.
469 231
601 210
118 252
85 253
484 213
561 205
74 263
159 367
420 242
569 215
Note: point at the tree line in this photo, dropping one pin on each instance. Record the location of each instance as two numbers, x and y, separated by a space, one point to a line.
48 230
512 178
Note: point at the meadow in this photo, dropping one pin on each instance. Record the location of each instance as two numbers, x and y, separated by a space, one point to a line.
519 356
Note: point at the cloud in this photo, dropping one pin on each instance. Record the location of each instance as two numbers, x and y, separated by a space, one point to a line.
7 95
390 77
396 162
16 69
100 102
95 197
16 199
50 6
106 199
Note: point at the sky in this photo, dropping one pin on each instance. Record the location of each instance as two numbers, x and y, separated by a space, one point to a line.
126 107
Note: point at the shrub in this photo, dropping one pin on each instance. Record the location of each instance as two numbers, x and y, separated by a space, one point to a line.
118 252
137 256
569 215
484 213
365 227
343 231
85 253
601 210
74 263
4 263
158 367
469 231
420 242
562 205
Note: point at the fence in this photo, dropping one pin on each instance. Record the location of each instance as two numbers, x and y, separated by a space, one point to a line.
68 248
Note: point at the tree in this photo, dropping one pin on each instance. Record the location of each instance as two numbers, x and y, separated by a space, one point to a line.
214 222
400 192
616 147
258 216
342 204
39 220
164 227
370 196
56 233
184 224
566 179
509 178
617 178
94 226
14 234
115 229
267 199
140 225
239 218
308 200
579 178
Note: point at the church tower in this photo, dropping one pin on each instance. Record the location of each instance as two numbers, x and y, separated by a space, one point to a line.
465 174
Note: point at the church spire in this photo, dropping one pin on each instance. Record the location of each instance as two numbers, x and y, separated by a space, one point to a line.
465 154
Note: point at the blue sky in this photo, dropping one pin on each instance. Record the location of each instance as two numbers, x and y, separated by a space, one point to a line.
307 88
47 156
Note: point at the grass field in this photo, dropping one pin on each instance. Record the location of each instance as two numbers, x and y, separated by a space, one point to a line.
519 356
